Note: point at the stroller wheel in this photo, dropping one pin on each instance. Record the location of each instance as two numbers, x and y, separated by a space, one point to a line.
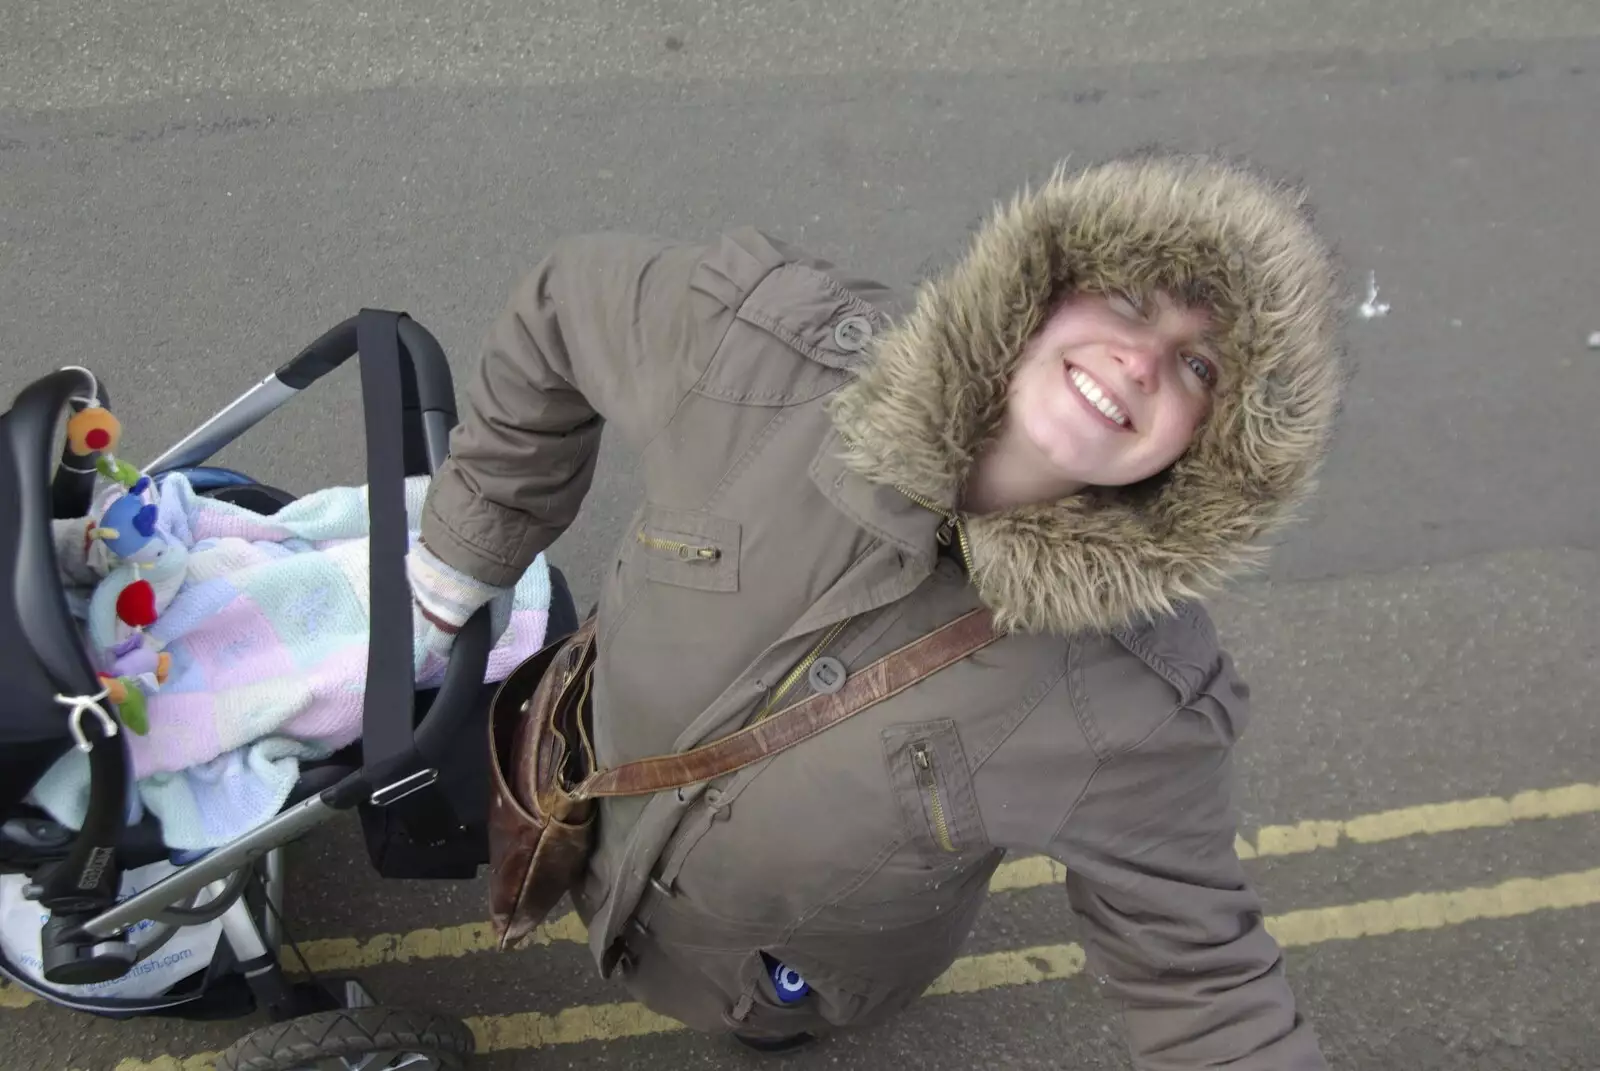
368 1039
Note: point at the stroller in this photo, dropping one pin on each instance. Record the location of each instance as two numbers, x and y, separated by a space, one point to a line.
417 776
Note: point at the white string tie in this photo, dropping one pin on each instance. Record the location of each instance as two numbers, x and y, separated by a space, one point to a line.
83 704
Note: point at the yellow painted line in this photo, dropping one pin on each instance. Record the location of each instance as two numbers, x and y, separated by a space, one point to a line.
344 954
449 942
1029 873
535 1030
1047 963
204 1061
1436 911
1001 970
12 997
1486 812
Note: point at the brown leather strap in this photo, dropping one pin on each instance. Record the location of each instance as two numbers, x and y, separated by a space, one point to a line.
886 677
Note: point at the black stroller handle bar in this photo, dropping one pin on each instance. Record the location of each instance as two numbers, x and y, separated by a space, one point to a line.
426 389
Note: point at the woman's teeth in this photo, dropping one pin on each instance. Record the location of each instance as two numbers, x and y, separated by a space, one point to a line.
1097 398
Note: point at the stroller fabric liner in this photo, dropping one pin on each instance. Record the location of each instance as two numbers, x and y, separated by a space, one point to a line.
266 621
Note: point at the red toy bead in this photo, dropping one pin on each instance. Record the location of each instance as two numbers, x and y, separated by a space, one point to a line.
136 605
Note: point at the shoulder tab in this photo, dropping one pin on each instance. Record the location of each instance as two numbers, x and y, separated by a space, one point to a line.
799 322
1182 648
811 311
734 264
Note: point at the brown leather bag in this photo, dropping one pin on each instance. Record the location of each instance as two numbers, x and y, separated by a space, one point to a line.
544 782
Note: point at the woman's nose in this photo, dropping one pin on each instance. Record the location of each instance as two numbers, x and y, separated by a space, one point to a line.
1142 362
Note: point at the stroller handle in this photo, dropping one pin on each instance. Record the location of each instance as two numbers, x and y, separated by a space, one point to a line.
427 395
426 385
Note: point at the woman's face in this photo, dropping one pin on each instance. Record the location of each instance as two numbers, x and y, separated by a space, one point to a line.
1111 389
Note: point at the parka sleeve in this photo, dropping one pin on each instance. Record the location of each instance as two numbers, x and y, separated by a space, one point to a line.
1171 922
607 329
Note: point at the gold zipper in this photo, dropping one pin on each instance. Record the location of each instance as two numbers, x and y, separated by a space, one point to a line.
799 671
922 762
589 757
951 528
684 551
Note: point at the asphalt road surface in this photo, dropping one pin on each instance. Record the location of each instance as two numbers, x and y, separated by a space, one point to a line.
189 193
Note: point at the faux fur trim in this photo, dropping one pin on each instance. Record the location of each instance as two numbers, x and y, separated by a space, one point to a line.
933 390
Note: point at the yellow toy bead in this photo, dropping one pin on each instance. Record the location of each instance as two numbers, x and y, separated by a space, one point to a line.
93 431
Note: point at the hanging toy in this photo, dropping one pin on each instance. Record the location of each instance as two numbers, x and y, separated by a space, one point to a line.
136 657
129 699
137 670
136 605
93 431
117 471
128 527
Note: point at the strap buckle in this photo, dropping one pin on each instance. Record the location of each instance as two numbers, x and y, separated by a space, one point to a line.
404 787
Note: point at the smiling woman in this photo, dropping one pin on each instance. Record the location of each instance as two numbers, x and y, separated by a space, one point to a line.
1094 416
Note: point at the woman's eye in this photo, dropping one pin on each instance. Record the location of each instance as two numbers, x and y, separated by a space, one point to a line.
1202 368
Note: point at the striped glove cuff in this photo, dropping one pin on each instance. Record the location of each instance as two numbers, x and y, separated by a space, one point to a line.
445 595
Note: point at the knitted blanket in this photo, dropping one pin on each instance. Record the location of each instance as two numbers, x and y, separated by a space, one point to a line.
265 620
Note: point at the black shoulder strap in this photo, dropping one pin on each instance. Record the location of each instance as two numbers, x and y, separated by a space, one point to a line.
388 738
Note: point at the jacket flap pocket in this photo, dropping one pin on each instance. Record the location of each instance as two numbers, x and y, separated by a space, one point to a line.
933 785
689 549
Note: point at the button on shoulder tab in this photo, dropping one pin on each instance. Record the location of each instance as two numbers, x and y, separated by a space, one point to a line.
813 313
799 334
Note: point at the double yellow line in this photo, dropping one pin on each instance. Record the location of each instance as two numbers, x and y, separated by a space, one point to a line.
1048 963
1044 963
970 974
349 953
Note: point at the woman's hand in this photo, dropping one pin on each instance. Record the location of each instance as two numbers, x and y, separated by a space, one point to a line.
445 597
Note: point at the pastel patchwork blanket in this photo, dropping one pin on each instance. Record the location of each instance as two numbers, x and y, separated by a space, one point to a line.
265 620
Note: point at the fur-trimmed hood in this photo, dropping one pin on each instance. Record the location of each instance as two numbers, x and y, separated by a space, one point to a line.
934 389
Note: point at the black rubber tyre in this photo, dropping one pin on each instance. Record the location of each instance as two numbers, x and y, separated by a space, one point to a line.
352 1033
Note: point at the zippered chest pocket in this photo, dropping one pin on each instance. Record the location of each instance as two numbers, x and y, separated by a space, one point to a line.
933 785
688 549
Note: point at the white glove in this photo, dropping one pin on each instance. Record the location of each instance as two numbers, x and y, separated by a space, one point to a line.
446 596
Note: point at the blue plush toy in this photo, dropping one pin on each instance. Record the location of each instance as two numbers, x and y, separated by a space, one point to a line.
128 526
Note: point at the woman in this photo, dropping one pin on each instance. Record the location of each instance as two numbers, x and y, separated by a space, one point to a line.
1087 423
